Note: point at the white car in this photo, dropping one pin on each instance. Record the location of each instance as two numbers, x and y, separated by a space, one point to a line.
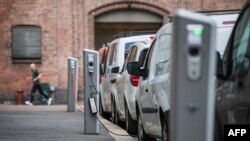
126 86
114 61
224 27
153 97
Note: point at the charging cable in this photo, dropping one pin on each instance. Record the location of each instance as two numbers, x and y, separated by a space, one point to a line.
93 85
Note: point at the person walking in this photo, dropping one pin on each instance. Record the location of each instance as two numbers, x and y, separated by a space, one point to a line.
36 85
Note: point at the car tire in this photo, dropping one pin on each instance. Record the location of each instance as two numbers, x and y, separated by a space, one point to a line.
164 131
142 135
114 113
101 112
130 124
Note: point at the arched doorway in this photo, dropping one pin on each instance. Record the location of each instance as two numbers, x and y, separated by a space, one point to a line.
110 24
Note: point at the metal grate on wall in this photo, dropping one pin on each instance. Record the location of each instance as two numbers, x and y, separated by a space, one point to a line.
26 42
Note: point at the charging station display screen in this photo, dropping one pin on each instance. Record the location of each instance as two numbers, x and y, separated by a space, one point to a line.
198 31
195 32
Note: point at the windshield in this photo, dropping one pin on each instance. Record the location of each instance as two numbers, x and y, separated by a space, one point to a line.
162 55
241 40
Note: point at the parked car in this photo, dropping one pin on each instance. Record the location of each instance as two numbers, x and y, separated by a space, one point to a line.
103 53
153 94
224 27
116 56
126 86
233 91
102 58
153 97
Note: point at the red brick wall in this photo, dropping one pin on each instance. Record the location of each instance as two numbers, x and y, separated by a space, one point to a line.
56 21
29 12
67 28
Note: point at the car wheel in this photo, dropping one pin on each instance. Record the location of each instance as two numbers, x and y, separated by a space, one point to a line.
101 112
142 135
164 131
100 107
114 113
130 124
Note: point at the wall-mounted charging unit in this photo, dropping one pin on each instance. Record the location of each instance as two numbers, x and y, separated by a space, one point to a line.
193 77
72 84
91 90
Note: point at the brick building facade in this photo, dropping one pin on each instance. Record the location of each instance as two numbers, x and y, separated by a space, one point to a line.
68 27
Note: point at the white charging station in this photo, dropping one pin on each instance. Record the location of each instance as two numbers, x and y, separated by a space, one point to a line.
91 91
72 83
193 78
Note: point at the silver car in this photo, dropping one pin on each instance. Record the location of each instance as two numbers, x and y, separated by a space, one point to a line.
126 86
114 61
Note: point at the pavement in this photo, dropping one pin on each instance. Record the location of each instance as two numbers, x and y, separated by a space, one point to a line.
52 123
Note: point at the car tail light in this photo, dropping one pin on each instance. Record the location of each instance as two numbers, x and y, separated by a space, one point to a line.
229 22
134 80
152 37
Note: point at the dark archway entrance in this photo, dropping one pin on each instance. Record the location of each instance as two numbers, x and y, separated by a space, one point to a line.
113 23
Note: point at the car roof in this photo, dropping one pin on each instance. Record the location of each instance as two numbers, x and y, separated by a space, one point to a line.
134 37
142 44
219 19
225 20
167 28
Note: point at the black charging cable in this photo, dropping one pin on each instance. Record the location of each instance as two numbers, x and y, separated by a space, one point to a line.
91 79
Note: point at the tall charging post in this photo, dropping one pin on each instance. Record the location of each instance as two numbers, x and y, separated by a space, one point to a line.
193 78
73 69
91 90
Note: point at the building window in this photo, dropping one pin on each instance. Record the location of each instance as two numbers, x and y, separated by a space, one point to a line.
26 43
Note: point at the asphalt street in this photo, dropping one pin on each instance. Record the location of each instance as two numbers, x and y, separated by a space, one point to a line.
46 126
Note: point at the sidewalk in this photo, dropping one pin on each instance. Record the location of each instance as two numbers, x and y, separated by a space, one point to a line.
115 131
44 123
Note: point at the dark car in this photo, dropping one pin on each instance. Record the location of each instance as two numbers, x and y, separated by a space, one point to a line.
233 91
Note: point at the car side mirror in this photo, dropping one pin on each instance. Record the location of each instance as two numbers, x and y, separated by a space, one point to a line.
242 66
115 69
219 70
133 68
